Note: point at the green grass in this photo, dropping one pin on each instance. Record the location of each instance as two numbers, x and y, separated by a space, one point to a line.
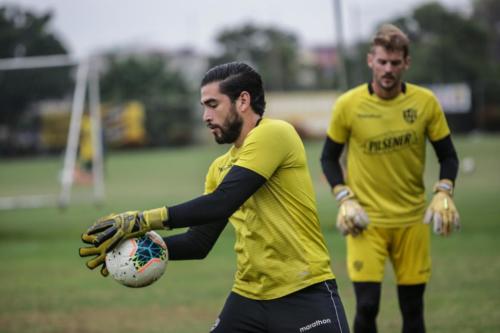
45 287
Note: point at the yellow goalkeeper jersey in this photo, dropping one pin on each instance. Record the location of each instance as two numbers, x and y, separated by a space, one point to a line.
279 245
386 149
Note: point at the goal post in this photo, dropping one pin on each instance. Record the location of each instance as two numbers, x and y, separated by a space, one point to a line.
87 77
97 138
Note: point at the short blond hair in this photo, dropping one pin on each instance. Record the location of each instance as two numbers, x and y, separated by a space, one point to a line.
391 38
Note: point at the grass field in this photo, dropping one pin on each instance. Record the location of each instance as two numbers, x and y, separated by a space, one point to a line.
45 287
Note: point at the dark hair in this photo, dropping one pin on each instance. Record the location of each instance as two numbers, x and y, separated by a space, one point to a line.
391 38
236 77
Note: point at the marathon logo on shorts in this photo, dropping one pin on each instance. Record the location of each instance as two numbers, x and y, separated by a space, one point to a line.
390 142
319 322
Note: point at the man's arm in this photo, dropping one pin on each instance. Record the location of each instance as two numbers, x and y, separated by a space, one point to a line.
237 186
330 162
442 211
448 159
195 243
351 218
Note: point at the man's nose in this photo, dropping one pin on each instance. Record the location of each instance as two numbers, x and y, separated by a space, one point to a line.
388 67
207 115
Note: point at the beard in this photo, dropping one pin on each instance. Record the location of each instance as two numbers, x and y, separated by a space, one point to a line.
390 86
230 129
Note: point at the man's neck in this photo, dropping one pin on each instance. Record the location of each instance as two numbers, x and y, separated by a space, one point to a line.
248 125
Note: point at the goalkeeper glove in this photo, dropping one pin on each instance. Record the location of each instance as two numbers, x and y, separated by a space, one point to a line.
442 211
108 231
351 218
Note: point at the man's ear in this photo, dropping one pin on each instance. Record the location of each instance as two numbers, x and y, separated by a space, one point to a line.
407 62
369 59
244 100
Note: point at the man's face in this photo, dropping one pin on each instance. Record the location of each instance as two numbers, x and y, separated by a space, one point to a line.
220 114
387 67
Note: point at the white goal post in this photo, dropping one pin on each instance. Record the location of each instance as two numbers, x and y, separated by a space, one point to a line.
86 76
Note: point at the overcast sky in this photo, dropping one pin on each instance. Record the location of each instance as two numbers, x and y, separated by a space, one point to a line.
87 26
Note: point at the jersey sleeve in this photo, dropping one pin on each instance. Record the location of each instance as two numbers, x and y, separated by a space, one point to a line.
338 130
210 179
437 127
267 148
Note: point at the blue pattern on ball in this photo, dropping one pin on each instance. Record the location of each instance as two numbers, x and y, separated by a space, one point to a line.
147 250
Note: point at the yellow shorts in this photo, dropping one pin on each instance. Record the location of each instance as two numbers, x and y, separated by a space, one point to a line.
408 249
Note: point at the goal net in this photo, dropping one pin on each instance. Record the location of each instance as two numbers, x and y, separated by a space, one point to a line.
69 127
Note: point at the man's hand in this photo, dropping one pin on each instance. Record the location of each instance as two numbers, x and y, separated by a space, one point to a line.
108 231
351 218
442 211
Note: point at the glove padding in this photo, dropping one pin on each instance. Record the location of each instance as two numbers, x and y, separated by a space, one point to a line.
442 211
110 230
351 218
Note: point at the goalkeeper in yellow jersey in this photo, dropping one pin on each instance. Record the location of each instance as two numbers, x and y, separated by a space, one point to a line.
382 209
283 282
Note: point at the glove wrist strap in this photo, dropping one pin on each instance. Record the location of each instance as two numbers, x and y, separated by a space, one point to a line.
342 193
444 185
156 217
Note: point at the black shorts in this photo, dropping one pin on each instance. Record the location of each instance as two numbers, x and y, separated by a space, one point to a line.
315 309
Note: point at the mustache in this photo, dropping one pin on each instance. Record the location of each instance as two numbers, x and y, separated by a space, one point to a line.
388 76
213 126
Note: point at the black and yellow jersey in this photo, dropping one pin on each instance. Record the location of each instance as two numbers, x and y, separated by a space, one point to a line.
279 245
386 142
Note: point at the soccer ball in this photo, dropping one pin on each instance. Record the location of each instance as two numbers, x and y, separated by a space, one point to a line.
138 262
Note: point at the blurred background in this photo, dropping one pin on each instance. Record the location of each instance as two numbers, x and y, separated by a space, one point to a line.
143 62
150 59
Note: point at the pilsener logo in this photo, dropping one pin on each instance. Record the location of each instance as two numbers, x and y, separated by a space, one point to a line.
390 142
319 322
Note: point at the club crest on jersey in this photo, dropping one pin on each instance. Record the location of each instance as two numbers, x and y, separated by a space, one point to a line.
410 115
358 265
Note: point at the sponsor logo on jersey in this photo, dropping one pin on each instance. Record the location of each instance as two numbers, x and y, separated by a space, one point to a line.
389 142
424 271
225 167
369 115
229 164
410 115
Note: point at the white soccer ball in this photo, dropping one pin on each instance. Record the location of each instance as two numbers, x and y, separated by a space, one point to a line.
138 262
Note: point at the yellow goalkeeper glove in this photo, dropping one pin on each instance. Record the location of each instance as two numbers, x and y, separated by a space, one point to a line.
108 231
351 218
442 211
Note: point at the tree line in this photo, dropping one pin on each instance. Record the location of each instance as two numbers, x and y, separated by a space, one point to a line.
447 46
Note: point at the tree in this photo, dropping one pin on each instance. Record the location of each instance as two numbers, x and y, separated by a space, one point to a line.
446 46
272 51
487 14
24 33
164 93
